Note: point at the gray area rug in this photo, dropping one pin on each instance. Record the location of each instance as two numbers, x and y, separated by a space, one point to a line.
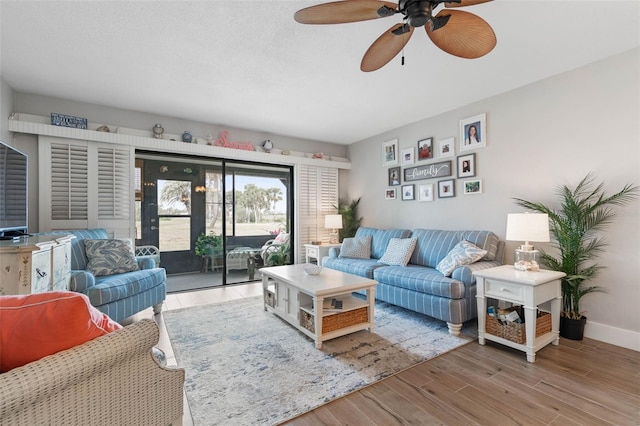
245 366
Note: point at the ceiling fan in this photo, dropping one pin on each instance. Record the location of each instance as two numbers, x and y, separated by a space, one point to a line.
456 32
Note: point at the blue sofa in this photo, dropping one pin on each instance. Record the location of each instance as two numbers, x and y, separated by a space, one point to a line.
119 295
419 286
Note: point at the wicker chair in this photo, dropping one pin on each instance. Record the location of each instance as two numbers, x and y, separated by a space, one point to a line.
111 380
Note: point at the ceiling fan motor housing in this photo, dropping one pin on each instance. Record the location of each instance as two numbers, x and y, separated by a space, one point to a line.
416 12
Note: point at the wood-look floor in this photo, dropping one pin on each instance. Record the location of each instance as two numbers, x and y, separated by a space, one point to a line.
576 383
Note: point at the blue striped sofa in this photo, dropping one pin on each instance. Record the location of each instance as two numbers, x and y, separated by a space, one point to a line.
120 295
419 286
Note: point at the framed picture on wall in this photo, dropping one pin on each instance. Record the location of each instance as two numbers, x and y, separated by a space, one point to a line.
407 156
473 133
394 176
390 153
467 165
425 149
446 188
446 148
425 192
390 194
407 192
471 187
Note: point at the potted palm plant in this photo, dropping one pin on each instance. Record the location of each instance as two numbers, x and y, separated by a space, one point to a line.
350 219
574 225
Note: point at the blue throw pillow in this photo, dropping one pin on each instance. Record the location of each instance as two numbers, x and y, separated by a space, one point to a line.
464 253
399 251
108 257
356 248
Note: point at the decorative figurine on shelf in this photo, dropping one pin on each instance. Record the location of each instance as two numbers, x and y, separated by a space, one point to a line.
267 145
186 137
209 139
158 131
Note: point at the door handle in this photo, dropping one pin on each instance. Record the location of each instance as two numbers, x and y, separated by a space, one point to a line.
154 228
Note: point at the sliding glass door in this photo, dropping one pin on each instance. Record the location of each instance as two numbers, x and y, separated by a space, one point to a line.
211 216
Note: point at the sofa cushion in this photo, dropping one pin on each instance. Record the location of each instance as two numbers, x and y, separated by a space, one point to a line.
398 251
36 325
420 279
109 256
432 246
122 286
380 238
464 253
360 267
356 248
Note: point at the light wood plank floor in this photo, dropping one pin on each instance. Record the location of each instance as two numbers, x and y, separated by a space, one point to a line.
576 383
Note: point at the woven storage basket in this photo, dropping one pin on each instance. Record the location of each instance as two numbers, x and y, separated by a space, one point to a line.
517 332
335 321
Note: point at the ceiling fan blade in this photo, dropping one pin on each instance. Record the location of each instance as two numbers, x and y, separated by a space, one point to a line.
461 34
386 47
342 12
463 3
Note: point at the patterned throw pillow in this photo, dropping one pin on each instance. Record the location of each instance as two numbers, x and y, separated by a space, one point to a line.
464 253
108 257
399 251
356 248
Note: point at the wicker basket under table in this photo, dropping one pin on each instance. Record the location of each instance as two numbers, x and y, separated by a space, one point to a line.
517 332
335 321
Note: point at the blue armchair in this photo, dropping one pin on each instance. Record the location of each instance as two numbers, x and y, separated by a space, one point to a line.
118 295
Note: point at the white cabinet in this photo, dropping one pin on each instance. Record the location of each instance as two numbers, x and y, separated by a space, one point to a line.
35 264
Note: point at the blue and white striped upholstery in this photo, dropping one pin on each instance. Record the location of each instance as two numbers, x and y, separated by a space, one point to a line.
419 286
120 295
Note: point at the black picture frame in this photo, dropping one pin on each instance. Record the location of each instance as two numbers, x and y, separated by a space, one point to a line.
408 192
394 176
446 188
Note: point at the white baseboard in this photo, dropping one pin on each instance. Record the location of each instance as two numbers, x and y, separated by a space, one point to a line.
616 336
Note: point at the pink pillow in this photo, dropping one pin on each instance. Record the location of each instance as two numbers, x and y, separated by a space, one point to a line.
36 325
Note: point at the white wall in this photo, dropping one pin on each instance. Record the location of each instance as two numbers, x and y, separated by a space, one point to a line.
546 134
6 108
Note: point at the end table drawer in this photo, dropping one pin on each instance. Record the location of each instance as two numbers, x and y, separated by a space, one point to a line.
504 290
313 252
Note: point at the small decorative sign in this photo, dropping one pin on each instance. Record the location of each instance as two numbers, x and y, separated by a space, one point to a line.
427 171
68 121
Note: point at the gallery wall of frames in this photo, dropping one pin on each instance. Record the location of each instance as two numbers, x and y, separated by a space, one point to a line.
432 170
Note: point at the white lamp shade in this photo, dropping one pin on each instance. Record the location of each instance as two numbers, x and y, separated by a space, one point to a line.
333 221
528 227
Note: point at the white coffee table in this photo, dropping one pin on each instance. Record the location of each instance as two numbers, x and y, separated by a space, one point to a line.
299 298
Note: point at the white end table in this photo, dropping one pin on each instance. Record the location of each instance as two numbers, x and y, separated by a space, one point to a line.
317 252
529 289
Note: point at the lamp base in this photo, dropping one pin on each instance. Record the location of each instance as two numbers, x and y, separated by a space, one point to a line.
527 260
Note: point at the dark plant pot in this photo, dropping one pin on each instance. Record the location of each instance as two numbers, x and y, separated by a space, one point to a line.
572 328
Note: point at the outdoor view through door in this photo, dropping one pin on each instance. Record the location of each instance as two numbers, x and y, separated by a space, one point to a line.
214 217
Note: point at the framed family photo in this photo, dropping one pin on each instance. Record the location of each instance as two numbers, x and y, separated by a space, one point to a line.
446 148
407 156
425 149
394 176
407 193
472 186
473 133
390 153
390 194
446 188
467 165
425 192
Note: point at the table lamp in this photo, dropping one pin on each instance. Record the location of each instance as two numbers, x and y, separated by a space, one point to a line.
333 222
527 227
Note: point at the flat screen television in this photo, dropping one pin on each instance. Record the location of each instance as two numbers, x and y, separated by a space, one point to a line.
13 192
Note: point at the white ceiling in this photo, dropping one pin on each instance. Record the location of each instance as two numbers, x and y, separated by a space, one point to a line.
248 64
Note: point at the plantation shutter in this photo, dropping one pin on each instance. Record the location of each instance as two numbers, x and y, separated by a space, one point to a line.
317 197
85 185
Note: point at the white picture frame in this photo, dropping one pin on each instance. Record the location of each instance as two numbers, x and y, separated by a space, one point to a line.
425 192
390 153
472 187
473 132
390 194
406 156
447 147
